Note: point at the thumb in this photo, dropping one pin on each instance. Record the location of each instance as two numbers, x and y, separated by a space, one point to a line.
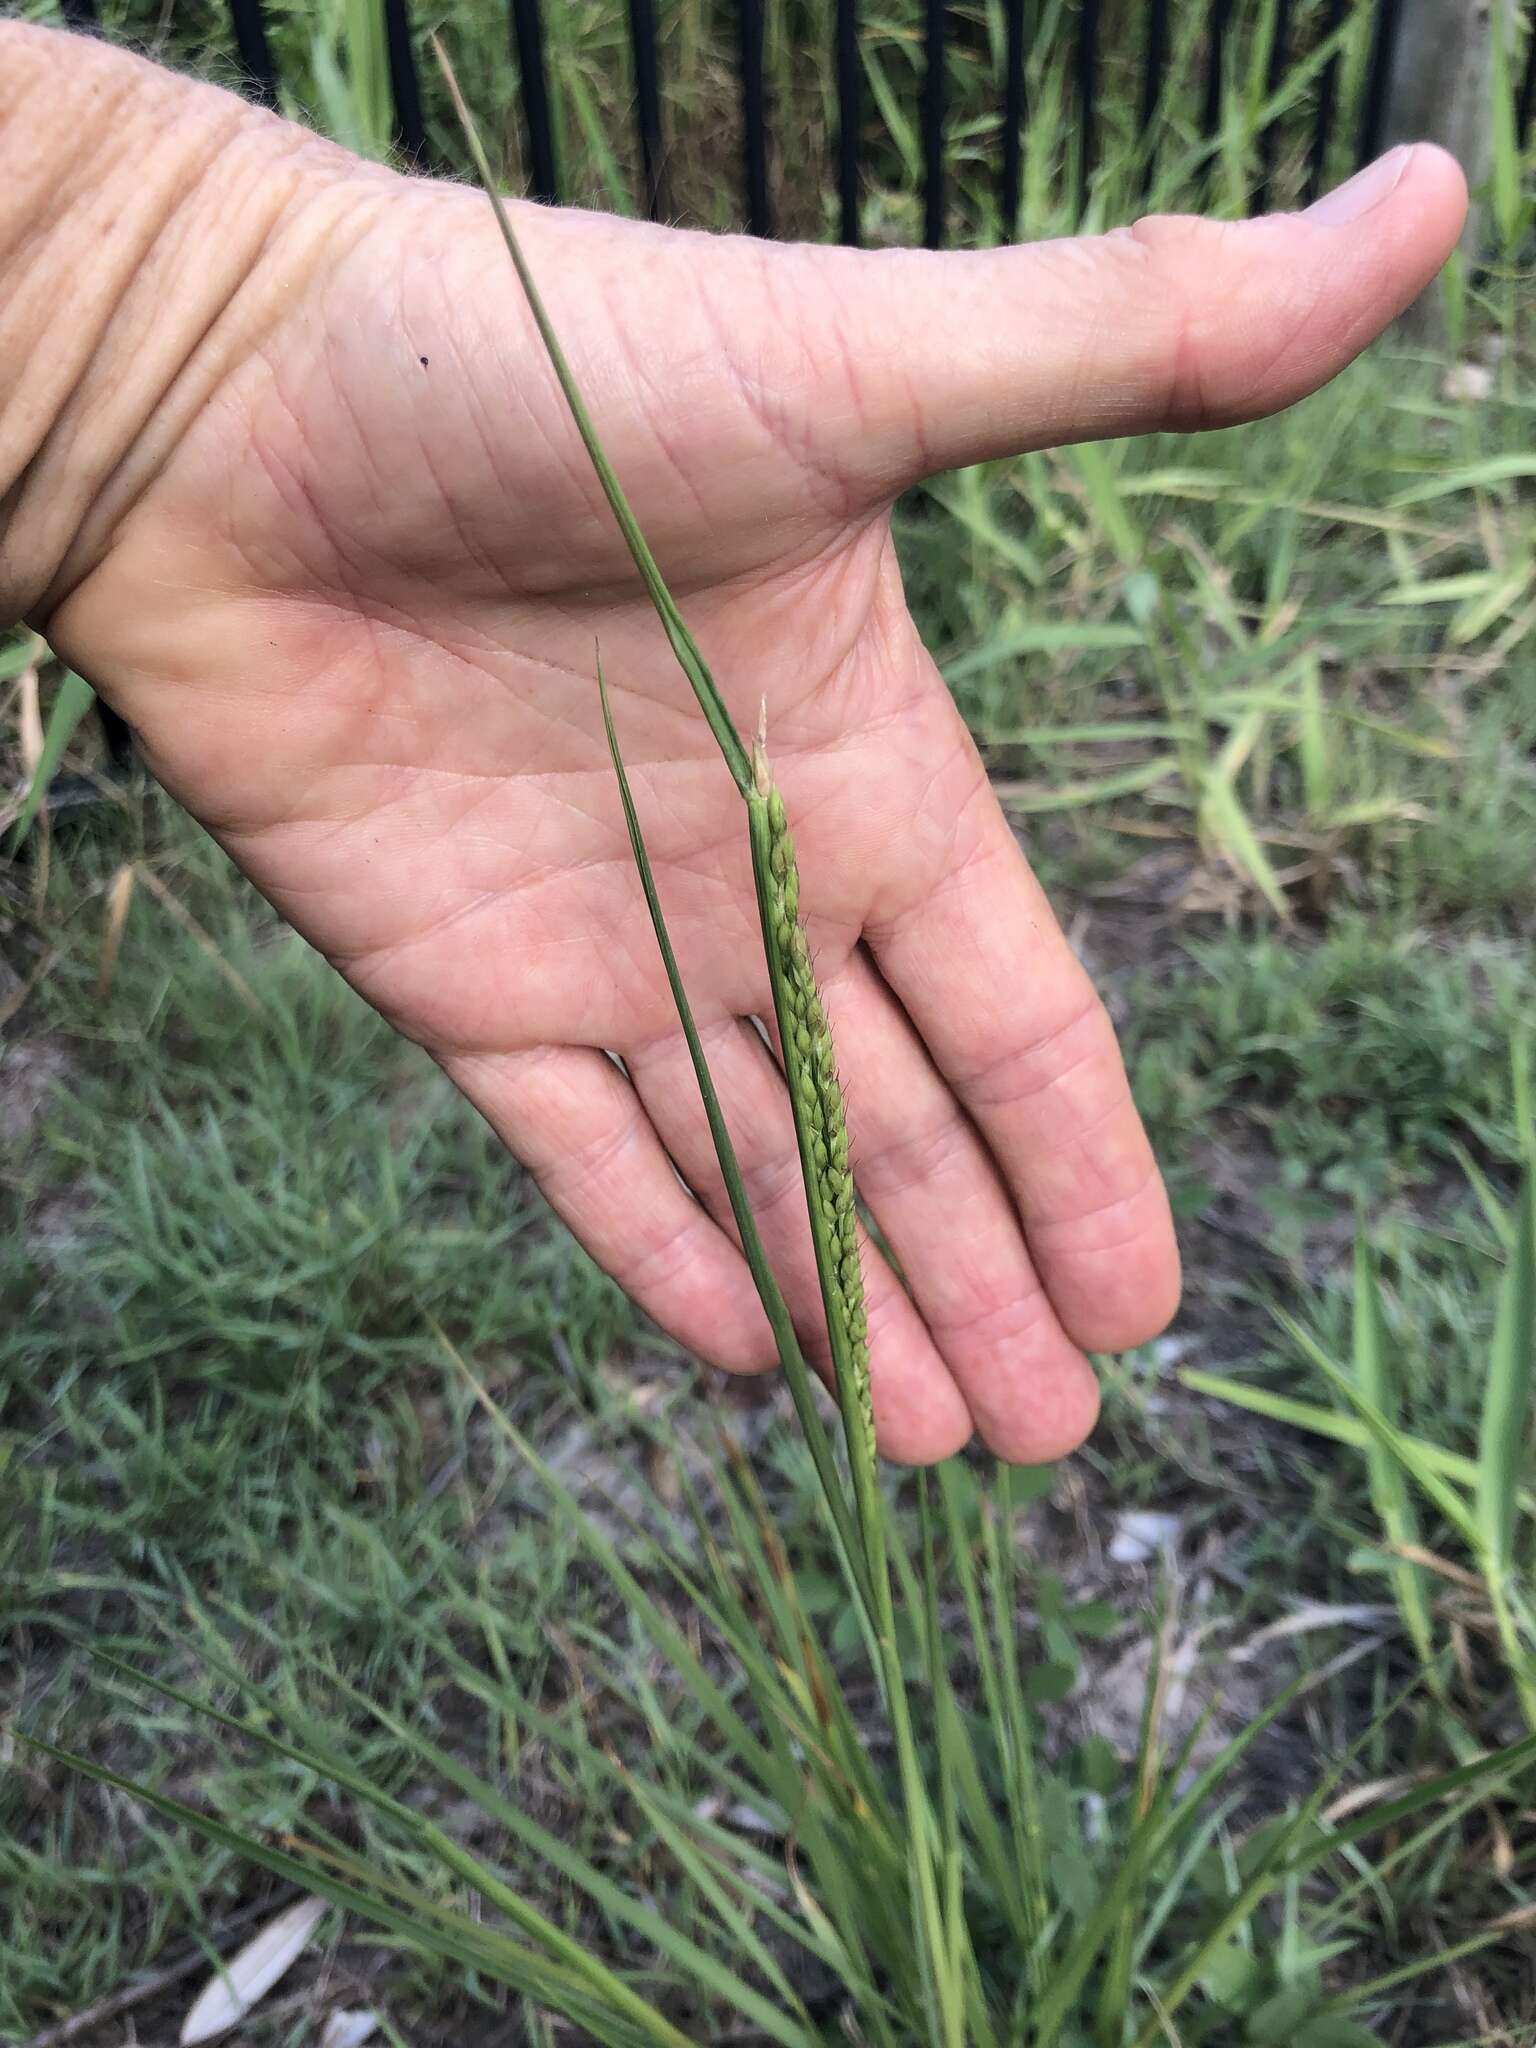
1177 322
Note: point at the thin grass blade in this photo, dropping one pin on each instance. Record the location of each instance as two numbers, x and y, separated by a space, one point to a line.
1502 1443
680 639
1389 1486
791 1357
75 697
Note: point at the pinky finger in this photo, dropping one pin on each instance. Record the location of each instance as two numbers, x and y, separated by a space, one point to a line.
572 1118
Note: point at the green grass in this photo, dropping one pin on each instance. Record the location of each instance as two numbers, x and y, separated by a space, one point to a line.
244 1234
329 61
222 1383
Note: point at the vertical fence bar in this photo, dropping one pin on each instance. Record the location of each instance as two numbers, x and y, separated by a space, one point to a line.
1525 104
1274 78
754 122
642 44
1154 67
258 80
528 42
850 90
1086 57
1373 111
1215 78
1327 101
933 125
410 134
1013 120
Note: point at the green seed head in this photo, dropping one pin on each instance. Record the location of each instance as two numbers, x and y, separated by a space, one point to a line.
812 1070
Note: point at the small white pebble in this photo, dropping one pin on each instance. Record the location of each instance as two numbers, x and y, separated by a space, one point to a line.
1140 1533
749 1820
1172 1350
348 2029
1467 381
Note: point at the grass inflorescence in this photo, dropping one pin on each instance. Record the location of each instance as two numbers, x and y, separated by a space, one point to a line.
810 1066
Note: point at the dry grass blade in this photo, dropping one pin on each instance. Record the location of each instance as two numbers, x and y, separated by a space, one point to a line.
29 722
172 903
349 2029
119 903
42 744
151 1985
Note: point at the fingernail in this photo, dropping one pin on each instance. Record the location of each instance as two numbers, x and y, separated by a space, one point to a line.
1367 188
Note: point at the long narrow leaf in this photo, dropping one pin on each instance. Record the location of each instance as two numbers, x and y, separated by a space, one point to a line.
1502 1445
1329 1422
1389 1486
705 1970
791 1357
561 1948
75 697
1393 1441
662 1629
680 639
452 1937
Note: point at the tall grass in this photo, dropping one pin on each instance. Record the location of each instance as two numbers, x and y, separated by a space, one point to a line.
1480 1500
331 66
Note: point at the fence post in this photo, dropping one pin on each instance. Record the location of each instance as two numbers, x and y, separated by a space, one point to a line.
849 120
934 98
642 49
1327 98
528 41
751 24
258 80
410 135
1013 120
1437 88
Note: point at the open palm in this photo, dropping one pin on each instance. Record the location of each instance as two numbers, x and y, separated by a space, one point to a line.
353 607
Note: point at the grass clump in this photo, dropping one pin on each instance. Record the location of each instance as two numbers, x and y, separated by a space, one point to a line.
1364 1058
1462 1484
884 1846
631 1674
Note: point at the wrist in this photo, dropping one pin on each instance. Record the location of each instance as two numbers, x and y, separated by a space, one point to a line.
151 230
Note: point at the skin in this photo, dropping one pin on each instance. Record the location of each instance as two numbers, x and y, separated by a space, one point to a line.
305 504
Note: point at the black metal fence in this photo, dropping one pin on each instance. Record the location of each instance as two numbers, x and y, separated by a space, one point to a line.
526 26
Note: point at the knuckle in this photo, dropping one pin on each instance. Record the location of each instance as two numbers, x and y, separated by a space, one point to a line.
894 1163
997 1313
1021 1073
590 1163
651 1265
1103 1224
771 1183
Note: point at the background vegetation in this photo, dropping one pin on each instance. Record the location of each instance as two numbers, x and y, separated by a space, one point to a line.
1264 706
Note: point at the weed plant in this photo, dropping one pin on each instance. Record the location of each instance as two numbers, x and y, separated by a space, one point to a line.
784 1799
936 1881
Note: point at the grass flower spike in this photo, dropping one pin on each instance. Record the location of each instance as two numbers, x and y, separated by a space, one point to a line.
810 1066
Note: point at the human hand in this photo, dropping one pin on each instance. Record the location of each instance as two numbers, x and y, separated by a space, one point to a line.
299 494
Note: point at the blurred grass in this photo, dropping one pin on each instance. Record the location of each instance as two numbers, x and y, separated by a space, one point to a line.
1265 127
